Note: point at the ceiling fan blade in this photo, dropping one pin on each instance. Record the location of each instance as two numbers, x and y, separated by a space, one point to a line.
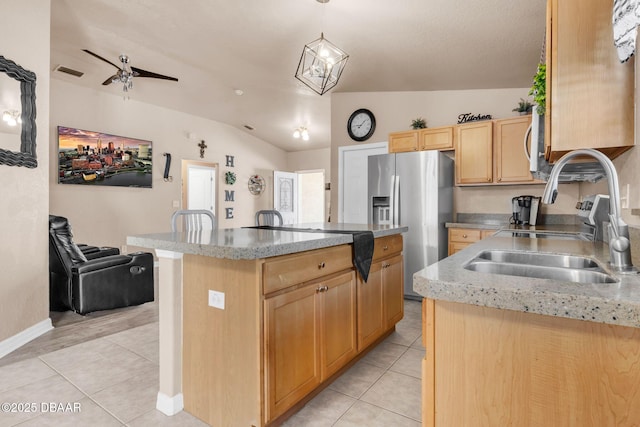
143 73
109 80
101 58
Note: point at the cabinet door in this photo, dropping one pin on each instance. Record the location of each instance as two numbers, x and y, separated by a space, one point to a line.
292 354
371 323
393 290
337 300
474 153
440 138
403 141
512 164
590 98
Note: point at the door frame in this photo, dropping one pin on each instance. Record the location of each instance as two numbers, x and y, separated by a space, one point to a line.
185 184
341 153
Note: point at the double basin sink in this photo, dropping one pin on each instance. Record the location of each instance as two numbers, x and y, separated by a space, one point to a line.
541 265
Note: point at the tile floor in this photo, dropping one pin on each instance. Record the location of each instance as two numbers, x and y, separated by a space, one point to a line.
114 381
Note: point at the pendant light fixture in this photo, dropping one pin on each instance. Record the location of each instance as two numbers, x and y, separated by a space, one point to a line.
321 64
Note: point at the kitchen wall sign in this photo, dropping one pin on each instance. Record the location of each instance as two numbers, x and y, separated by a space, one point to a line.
469 117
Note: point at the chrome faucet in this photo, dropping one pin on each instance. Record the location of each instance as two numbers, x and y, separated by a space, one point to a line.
619 245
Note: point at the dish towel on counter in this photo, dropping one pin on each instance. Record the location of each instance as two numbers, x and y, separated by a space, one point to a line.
626 18
363 242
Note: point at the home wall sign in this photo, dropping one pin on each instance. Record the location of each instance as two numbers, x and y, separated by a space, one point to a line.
27 80
229 179
469 117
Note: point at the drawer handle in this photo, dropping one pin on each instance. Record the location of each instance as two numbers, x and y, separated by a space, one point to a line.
464 236
323 288
385 248
321 265
386 265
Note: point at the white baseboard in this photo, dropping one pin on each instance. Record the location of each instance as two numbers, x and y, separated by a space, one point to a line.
20 339
169 405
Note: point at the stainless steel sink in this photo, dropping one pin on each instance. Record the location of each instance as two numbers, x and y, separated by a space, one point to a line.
541 265
539 258
537 234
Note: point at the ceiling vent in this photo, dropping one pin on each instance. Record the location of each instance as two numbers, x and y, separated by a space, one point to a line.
70 71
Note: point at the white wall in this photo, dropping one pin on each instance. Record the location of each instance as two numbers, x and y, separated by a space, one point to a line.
106 215
24 193
394 112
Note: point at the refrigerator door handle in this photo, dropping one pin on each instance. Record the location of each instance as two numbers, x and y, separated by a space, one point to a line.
396 200
392 199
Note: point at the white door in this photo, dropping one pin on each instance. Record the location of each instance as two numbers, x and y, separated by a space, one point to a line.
352 191
311 195
200 186
285 195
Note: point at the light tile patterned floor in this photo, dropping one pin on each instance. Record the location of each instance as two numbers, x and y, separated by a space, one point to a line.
114 380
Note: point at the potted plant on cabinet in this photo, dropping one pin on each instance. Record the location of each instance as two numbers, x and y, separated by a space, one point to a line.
524 107
418 123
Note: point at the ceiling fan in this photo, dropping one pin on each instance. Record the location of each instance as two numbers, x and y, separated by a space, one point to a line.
126 73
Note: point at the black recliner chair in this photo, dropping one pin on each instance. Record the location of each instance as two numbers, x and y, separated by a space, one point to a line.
86 278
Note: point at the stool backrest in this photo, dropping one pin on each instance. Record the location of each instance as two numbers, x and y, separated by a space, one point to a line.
268 217
192 219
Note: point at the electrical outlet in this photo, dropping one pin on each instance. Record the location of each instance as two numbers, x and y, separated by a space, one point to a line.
124 249
624 197
176 204
216 299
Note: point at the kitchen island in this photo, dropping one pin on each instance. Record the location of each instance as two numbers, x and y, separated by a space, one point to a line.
510 350
253 322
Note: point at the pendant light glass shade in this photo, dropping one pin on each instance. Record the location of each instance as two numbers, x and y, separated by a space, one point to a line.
321 65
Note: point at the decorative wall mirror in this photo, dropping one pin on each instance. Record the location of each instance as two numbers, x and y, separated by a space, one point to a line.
25 86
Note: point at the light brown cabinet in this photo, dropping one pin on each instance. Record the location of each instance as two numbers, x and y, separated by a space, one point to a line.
511 163
310 334
380 299
490 367
590 94
460 238
474 153
440 138
401 142
289 324
492 152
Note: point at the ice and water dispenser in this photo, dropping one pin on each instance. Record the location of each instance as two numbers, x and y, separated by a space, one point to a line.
381 210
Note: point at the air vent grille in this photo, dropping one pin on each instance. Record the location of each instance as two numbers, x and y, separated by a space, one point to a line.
70 71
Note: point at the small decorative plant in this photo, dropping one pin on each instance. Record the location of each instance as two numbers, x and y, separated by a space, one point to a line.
229 178
418 123
539 89
524 106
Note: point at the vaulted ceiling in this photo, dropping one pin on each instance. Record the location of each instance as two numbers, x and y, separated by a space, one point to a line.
215 47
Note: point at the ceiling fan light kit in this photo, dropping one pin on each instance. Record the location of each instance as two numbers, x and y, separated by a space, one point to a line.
126 72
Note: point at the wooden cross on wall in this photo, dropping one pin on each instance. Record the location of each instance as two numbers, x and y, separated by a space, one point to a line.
202 146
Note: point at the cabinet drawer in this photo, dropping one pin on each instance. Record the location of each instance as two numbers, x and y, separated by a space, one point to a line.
464 235
388 245
288 270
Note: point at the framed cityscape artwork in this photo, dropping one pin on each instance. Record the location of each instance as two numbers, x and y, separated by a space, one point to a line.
95 158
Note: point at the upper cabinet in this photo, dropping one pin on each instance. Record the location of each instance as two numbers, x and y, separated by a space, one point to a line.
590 94
492 152
400 142
474 153
440 138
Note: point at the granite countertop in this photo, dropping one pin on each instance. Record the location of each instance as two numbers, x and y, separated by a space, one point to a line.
612 303
252 243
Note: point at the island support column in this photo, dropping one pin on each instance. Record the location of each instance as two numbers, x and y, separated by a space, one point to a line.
170 400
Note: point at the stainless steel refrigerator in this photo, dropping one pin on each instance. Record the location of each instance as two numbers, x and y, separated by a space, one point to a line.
413 189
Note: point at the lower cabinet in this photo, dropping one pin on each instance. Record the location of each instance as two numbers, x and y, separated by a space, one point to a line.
380 299
310 334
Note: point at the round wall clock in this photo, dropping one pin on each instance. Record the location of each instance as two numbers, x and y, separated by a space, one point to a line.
256 184
361 125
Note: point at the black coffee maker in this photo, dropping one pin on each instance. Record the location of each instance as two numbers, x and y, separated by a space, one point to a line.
525 209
